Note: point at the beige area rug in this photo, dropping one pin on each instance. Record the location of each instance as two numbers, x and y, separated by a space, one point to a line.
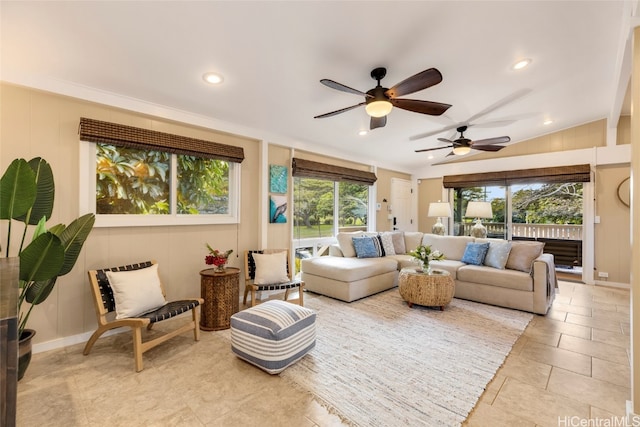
378 362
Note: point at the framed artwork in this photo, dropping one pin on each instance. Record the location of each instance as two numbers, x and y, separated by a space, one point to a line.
277 209
278 179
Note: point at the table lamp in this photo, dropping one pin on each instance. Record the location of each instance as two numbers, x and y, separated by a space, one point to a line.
479 210
439 209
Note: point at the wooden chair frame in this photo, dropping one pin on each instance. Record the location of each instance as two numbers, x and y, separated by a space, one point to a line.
249 275
104 304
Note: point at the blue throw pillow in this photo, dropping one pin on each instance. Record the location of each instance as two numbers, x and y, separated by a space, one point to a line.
474 253
367 247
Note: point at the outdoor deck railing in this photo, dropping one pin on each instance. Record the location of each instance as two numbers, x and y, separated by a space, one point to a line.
531 231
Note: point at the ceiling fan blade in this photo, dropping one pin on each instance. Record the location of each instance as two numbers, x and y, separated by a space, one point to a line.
378 122
422 80
448 141
432 149
501 103
342 88
418 106
488 147
489 141
427 134
333 113
493 124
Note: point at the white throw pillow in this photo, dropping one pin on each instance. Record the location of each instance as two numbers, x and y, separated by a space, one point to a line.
346 243
136 292
270 268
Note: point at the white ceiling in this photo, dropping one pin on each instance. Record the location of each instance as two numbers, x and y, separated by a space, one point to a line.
273 54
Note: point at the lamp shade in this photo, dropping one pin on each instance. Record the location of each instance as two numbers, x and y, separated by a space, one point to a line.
439 209
479 210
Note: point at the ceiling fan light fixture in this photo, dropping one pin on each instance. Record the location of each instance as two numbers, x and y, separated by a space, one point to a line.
378 108
461 150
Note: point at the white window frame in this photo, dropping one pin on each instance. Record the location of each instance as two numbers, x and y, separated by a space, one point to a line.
88 198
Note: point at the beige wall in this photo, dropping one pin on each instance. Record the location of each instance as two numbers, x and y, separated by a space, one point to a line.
429 190
624 130
611 235
36 123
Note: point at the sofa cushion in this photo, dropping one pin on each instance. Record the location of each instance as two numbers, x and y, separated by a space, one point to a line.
405 261
522 255
398 242
346 243
348 269
451 246
497 254
367 247
450 265
475 253
511 279
412 239
387 243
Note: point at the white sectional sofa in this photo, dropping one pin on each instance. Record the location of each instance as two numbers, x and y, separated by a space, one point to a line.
526 281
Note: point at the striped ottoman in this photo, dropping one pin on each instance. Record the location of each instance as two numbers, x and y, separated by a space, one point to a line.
273 335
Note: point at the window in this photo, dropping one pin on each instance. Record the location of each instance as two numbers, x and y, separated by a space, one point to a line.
131 186
318 202
132 176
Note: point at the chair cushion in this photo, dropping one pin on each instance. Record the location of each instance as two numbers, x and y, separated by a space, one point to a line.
273 335
136 292
270 268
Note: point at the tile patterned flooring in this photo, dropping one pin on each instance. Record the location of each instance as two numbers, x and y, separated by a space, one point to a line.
574 362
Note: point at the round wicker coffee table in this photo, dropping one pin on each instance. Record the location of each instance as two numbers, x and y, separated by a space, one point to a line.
433 289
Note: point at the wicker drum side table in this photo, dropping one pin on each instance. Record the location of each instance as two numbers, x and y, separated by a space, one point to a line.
433 289
221 295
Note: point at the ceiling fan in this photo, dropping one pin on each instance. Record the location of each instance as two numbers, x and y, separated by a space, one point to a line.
380 100
471 121
462 145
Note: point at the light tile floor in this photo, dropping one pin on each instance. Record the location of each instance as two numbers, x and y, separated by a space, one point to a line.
571 363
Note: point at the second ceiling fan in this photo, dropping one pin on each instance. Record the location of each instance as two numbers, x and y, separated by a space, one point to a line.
462 145
380 100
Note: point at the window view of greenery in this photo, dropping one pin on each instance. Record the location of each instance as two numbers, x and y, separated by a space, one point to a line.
314 206
559 204
138 182
203 186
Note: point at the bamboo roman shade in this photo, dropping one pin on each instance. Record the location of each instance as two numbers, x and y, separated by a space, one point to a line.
128 136
558 174
309 169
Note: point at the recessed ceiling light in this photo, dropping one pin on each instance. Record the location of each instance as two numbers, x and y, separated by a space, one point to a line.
213 78
362 133
430 156
547 122
521 64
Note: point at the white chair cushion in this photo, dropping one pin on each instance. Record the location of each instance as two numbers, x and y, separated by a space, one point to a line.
270 268
136 292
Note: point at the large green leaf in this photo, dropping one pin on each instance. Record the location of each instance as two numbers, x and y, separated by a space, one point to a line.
17 190
37 292
42 259
45 193
73 237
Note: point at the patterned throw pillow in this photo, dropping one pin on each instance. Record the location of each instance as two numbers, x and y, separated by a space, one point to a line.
475 253
497 254
367 247
387 243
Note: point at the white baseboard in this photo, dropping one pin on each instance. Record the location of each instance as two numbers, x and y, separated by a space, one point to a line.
71 340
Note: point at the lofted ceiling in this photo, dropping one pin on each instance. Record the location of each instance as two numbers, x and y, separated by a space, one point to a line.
273 54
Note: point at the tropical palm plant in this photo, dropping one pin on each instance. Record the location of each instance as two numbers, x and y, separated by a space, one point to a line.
27 193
